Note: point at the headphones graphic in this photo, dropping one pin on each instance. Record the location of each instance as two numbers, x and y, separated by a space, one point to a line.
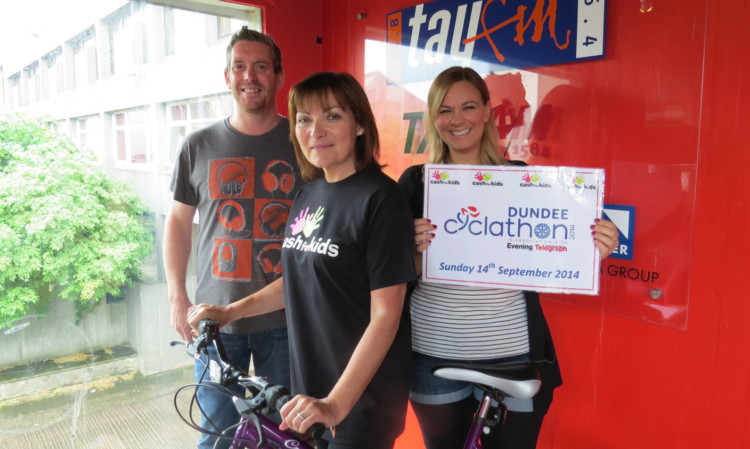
232 177
273 218
278 175
227 265
231 216
270 258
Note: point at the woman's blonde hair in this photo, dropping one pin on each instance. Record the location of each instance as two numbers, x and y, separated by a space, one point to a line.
349 95
489 152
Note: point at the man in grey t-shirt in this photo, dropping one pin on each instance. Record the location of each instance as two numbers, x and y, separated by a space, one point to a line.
240 175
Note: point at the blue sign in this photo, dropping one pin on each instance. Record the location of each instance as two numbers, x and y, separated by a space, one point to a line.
624 218
491 35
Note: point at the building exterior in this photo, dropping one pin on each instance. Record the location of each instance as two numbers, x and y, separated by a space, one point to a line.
129 86
132 84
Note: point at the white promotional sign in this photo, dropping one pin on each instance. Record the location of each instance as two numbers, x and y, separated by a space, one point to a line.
525 228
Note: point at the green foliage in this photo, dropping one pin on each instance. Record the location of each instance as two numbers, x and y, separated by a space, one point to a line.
66 229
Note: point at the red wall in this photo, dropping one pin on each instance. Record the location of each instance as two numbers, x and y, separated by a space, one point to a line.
629 383
296 27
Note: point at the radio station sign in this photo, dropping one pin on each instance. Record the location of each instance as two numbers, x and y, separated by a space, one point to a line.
525 228
491 35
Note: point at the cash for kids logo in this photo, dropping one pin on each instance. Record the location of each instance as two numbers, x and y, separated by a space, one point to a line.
533 180
579 182
485 179
540 223
305 223
442 177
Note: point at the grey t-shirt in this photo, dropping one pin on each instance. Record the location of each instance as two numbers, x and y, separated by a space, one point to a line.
242 187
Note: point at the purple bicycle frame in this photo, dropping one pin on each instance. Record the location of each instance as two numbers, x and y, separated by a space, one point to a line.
271 434
475 431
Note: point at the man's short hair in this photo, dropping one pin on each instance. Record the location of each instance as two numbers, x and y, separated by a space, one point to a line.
246 34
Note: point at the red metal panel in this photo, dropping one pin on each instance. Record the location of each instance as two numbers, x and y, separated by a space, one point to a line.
669 111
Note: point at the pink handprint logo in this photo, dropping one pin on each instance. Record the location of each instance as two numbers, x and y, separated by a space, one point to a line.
483 176
306 223
530 178
299 222
440 176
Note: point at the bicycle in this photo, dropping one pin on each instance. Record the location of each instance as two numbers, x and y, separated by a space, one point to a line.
517 379
254 430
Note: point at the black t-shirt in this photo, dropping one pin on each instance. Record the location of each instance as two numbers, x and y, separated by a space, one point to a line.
344 240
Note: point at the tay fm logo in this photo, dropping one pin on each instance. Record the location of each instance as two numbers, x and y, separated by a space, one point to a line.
491 35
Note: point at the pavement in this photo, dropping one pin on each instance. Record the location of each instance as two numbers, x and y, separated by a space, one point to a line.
131 413
119 412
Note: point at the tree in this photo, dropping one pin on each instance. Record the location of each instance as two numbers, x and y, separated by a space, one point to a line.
66 229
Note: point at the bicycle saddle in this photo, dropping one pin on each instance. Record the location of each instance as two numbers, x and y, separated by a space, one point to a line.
517 379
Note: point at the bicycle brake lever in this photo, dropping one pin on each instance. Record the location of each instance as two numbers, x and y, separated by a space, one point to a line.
243 406
189 347
247 412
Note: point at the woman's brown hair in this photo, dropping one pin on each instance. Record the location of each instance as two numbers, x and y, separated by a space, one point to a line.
349 95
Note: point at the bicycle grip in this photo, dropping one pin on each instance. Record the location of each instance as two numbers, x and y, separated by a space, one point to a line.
316 430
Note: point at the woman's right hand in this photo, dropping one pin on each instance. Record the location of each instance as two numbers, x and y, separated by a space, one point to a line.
423 233
198 312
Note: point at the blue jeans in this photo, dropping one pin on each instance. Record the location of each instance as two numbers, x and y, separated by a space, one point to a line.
270 353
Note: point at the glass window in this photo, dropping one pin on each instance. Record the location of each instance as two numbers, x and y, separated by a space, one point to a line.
15 90
123 45
168 31
126 81
51 81
130 129
85 58
86 132
184 118
32 82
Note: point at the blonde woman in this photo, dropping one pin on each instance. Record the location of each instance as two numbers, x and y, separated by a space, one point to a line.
455 323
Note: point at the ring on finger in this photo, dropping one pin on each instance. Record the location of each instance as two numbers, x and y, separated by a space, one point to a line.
299 415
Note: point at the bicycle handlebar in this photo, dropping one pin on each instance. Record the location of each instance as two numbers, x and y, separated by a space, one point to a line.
266 397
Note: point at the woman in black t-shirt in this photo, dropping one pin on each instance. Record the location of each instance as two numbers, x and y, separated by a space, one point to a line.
347 257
